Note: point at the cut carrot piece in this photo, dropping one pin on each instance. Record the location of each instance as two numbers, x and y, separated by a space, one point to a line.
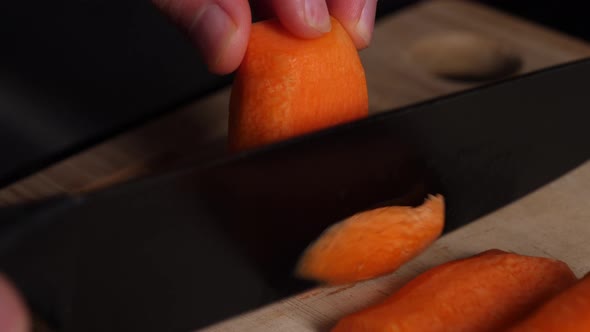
569 311
287 86
486 292
372 243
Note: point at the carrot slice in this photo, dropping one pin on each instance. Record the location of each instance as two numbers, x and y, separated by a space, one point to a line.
287 86
569 311
372 243
486 292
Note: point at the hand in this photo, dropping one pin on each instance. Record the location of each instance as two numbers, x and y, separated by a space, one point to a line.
13 313
220 28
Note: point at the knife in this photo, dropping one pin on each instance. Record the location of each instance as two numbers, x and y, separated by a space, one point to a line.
183 250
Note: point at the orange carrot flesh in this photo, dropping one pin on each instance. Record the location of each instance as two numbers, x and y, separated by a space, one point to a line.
569 311
372 243
486 292
287 86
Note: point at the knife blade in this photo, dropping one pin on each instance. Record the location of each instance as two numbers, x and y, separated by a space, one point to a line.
183 250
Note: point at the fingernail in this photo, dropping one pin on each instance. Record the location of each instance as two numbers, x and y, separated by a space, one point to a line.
364 26
212 30
316 15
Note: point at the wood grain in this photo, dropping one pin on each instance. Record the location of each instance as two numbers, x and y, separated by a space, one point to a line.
196 132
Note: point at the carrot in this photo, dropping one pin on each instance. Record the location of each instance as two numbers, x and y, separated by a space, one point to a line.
287 86
372 243
486 292
568 311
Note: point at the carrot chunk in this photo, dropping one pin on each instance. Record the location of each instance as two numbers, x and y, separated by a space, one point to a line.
486 292
569 311
288 86
372 243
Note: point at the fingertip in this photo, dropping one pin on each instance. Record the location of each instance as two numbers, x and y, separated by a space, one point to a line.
221 33
229 58
357 17
365 25
14 316
303 18
218 28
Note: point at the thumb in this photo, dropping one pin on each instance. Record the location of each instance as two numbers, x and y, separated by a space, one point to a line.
14 316
219 29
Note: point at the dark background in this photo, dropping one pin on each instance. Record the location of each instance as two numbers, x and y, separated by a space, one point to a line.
73 72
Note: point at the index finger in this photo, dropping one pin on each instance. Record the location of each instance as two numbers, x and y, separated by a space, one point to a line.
357 17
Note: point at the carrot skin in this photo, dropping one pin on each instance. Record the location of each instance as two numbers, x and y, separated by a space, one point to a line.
486 292
569 311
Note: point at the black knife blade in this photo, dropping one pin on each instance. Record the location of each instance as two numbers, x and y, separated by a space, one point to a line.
184 250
